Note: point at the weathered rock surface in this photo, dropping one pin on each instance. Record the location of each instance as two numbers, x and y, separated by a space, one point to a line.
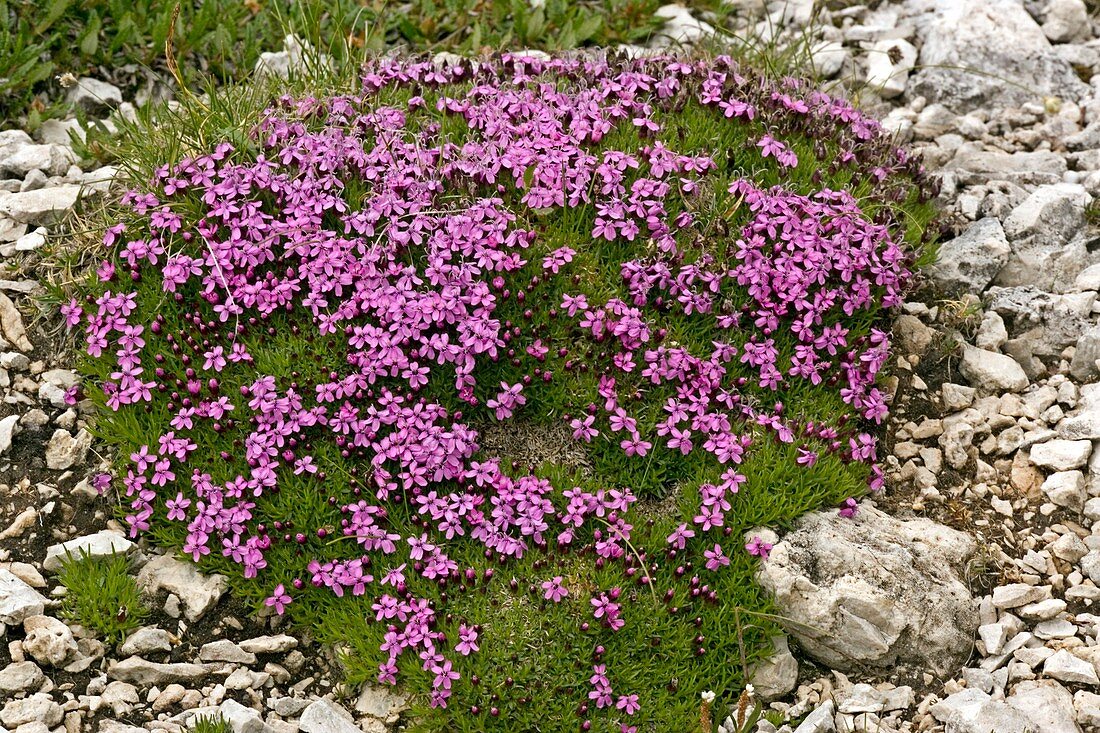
971 261
985 53
325 716
198 592
18 600
101 544
874 591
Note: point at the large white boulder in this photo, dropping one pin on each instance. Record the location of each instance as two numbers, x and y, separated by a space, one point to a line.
874 591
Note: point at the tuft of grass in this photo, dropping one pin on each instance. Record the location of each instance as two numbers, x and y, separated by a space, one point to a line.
103 596
210 724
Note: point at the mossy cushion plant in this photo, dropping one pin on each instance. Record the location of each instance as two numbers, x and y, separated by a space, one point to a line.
482 372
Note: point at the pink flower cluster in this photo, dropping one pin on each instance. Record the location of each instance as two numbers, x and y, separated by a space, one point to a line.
409 280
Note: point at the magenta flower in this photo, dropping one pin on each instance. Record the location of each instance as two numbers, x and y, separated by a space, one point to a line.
467 641
553 590
583 430
628 704
716 558
849 509
758 547
431 275
680 536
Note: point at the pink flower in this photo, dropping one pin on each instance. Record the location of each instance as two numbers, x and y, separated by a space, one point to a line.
628 704
680 536
758 547
467 640
850 508
553 590
278 600
716 558
583 430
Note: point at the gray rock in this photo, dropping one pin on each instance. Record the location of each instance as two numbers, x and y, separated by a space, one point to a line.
969 262
1065 667
21 677
49 641
992 372
199 593
39 707
978 679
57 132
971 47
1045 323
913 336
11 322
9 428
819 721
889 62
11 230
1061 455
146 640
381 703
240 719
974 711
680 28
1069 547
1067 20
992 333
1084 422
288 707
975 166
778 674
993 636
93 95
828 58
1083 366
224 650
108 725
120 697
1087 707
101 544
874 591
18 600
44 206
866 699
143 672
957 396
1040 231
1046 703
31 241
297 57
52 160
269 644
1066 488
1090 566
66 450
325 716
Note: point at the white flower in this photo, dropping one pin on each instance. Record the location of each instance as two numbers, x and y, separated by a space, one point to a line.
708 696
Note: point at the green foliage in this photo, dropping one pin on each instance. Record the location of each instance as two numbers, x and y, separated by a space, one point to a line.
40 39
210 724
103 596
532 648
